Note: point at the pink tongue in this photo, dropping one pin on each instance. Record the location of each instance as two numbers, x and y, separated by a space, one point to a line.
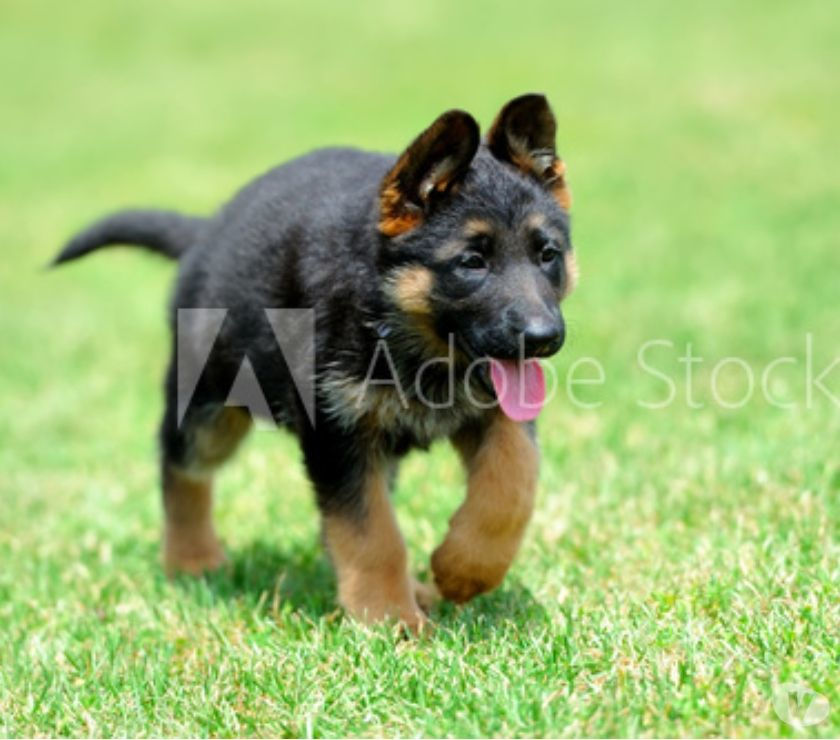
520 387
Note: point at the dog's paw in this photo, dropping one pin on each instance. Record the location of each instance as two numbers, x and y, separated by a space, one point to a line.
195 560
416 622
408 618
459 588
425 594
460 580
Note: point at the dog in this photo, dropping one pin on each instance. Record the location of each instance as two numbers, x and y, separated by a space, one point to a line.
434 281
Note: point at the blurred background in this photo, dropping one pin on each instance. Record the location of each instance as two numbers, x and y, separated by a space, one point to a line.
701 143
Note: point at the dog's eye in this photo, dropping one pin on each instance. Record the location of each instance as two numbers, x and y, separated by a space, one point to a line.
546 248
549 254
472 261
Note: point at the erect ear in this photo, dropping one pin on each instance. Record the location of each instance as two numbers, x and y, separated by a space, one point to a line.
430 167
523 134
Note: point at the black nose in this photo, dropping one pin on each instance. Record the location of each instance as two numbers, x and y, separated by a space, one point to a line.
543 336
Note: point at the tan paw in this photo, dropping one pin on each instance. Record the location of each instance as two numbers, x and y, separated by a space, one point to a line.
459 580
416 622
425 594
194 558
408 616
376 600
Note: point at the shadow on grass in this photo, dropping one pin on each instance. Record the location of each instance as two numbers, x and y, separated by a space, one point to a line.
510 607
300 579
262 575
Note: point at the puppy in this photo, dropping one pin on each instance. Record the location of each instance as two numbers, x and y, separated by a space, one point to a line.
371 304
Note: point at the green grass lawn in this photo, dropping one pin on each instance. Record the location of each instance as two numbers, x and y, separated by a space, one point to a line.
682 561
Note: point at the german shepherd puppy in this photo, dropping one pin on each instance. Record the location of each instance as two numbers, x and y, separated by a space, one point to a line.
434 279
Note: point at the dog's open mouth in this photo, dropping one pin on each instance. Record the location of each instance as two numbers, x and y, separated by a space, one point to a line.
519 386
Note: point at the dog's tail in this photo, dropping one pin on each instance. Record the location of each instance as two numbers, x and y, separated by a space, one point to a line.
165 232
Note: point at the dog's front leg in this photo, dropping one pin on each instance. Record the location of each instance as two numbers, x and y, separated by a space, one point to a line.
370 560
484 534
362 537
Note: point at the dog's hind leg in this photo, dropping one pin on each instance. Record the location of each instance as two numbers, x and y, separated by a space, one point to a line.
485 533
192 451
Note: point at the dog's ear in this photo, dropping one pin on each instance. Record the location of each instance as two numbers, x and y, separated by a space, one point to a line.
523 134
431 166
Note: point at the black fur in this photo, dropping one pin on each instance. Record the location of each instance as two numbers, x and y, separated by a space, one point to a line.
310 234
164 232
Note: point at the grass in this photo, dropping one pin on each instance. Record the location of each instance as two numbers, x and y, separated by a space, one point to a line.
682 561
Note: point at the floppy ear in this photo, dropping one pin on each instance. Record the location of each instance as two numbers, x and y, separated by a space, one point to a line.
433 163
523 134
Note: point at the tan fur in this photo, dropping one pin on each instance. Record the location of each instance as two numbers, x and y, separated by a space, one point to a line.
442 152
536 220
554 176
370 561
524 161
216 442
572 272
411 288
476 227
426 594
383 409
558 185
485 533
190 542
473 227
395 218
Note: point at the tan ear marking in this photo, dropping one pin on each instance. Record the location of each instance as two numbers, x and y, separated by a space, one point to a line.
556 182
432 164
523 135
395 216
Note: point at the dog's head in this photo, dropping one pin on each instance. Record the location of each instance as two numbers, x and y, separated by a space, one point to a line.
476 234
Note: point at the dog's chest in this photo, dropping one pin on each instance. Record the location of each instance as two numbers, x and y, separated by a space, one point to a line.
397 412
